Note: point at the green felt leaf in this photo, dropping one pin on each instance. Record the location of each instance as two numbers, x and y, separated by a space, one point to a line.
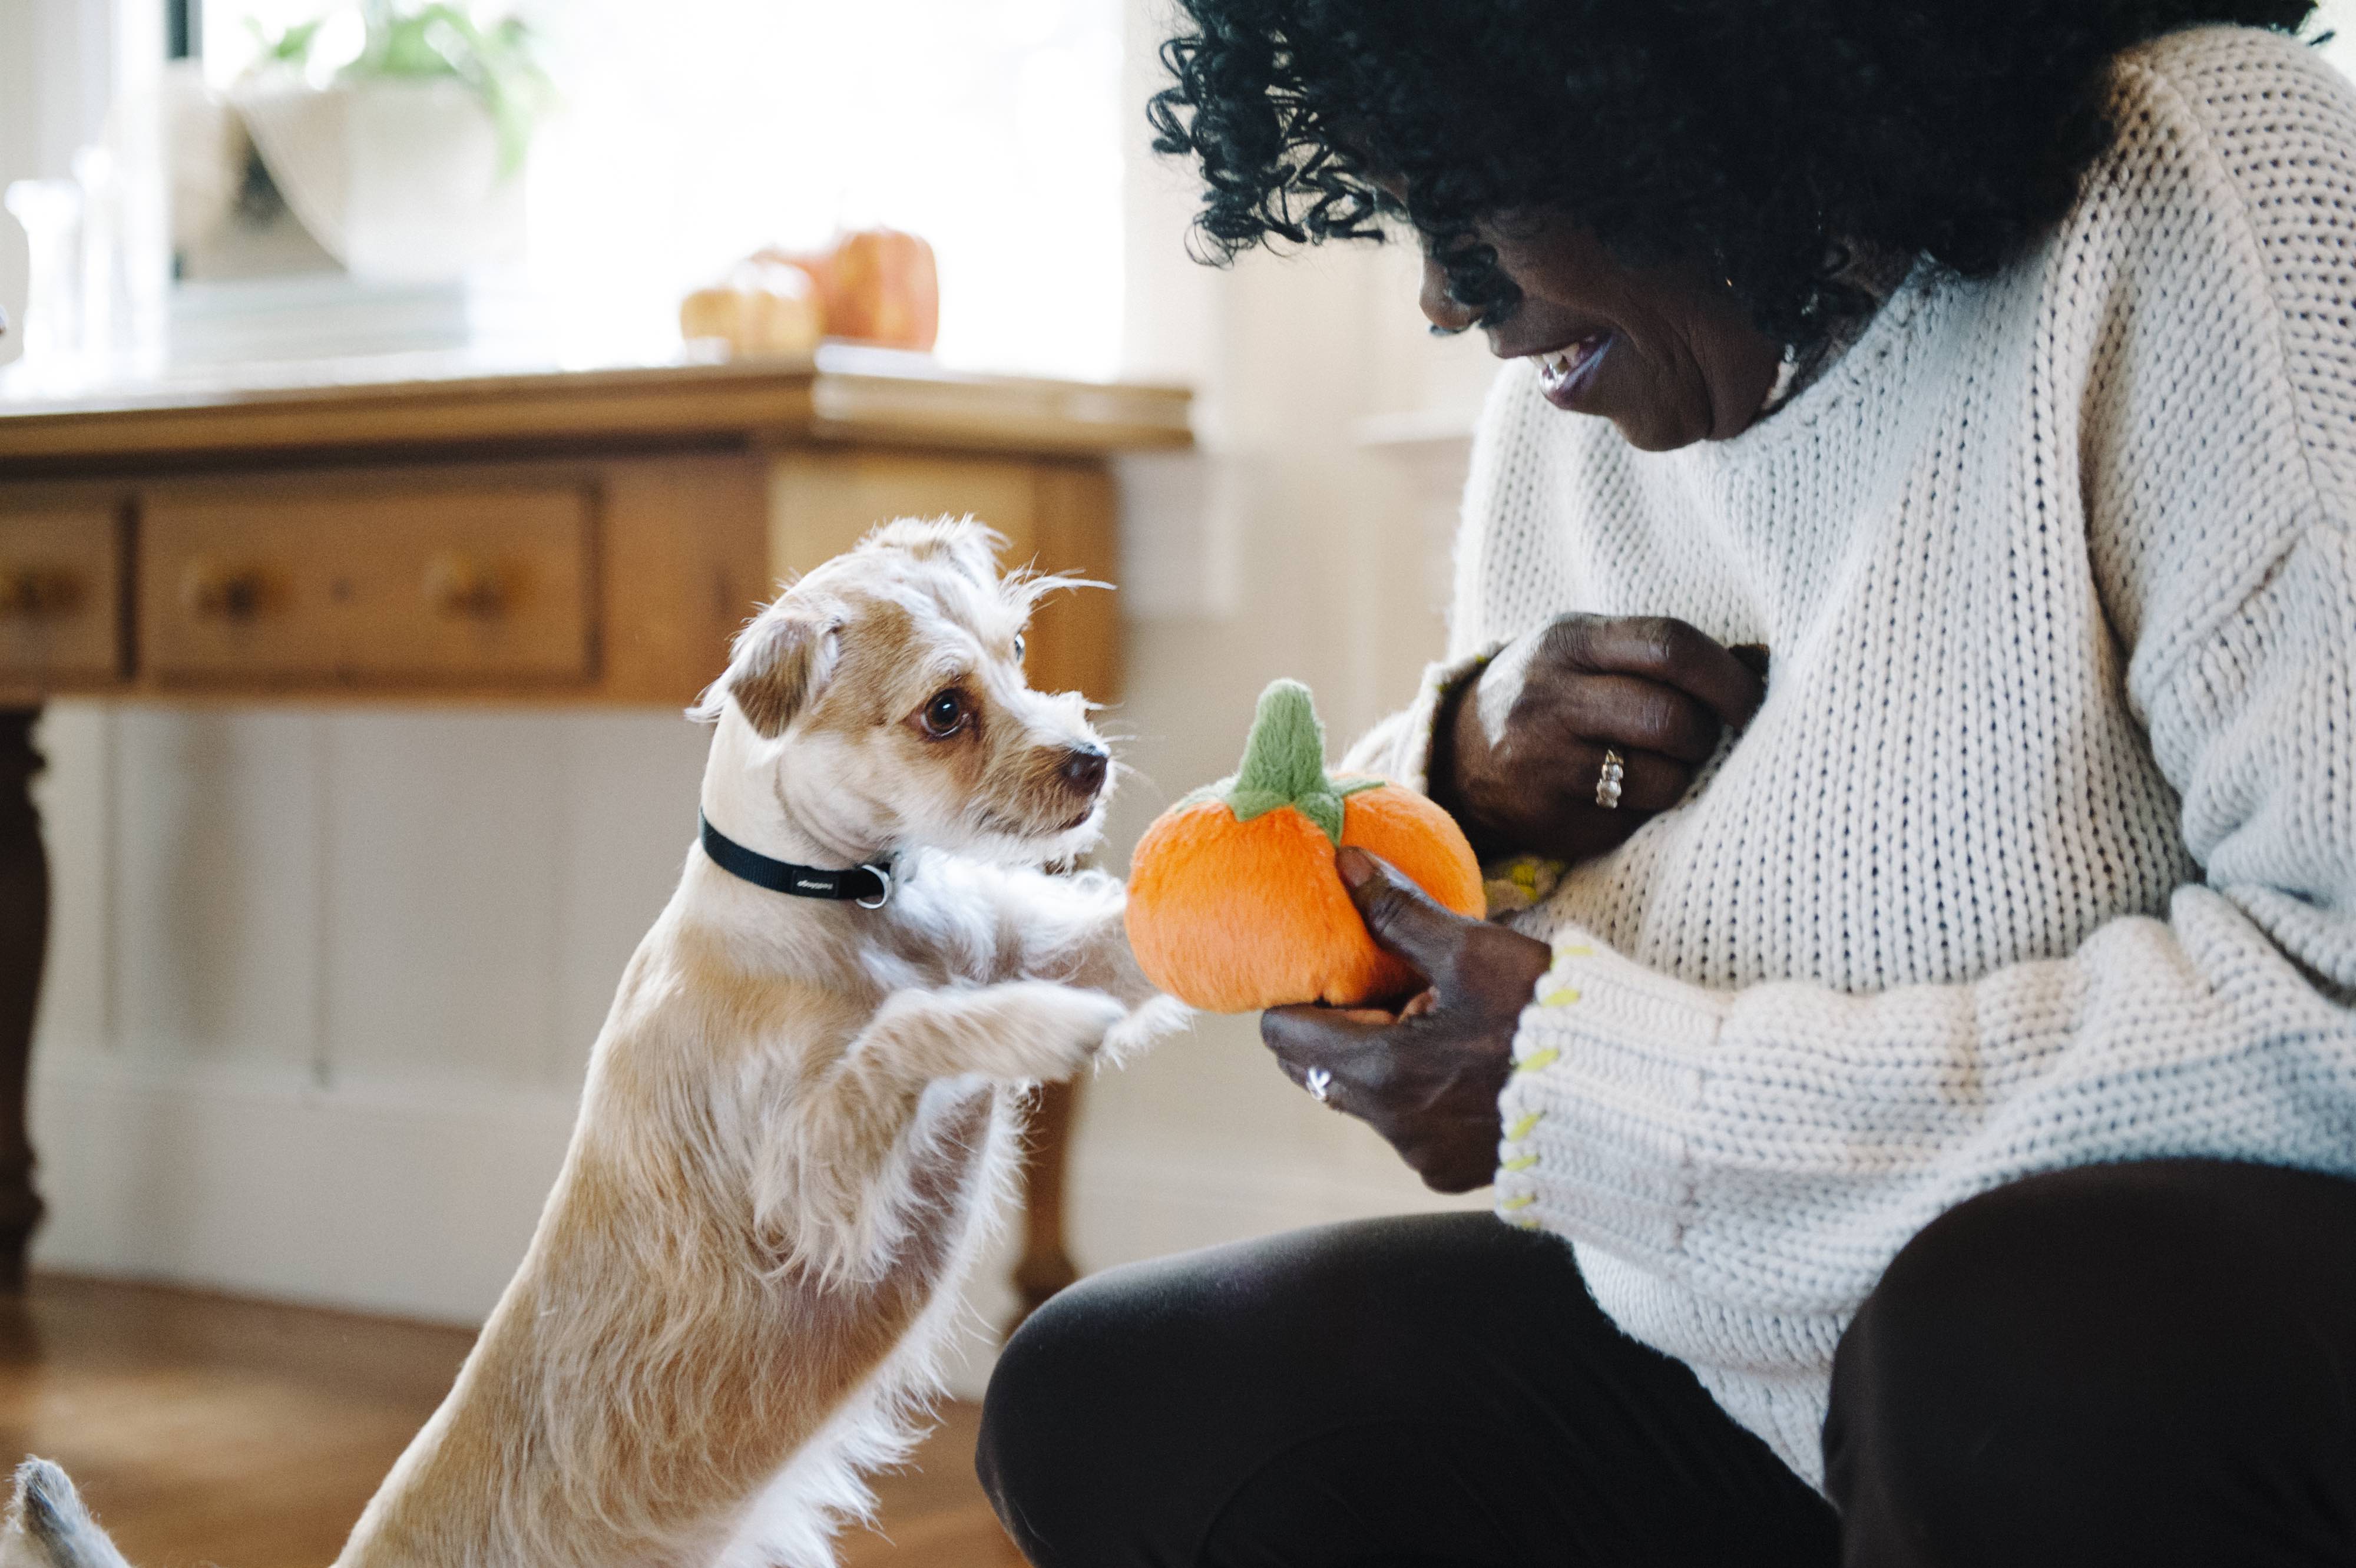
1285 753
1217 791
1325 810
1284 764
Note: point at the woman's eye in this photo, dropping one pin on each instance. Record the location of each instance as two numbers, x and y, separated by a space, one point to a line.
945 715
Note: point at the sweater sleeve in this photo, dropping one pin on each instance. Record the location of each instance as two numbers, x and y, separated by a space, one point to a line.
1399 747
1771 1147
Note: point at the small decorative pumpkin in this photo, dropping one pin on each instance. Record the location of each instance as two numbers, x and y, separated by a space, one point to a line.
1234 904
877 286
886 290
763 307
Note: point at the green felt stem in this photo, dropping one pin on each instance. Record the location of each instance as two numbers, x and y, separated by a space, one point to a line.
1284 764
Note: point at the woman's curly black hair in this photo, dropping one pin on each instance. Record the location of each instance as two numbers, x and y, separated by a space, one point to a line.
1767 140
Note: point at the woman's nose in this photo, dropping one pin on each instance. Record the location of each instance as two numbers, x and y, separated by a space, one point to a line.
1441 310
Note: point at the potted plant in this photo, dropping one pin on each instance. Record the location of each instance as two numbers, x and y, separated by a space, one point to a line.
405 160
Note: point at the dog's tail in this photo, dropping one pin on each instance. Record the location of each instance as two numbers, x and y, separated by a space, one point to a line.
47 1526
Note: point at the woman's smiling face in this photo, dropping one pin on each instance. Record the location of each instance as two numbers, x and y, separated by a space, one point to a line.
1668 358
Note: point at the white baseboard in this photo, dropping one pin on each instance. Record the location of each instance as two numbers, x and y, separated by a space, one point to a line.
418 1199
408 1200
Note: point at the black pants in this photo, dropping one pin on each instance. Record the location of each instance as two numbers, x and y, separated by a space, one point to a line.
2144 1365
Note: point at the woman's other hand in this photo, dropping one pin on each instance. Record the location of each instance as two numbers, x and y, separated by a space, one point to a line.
1426 1077
1519 752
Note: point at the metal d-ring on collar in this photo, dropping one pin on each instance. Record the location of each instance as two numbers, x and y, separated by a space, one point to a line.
869 887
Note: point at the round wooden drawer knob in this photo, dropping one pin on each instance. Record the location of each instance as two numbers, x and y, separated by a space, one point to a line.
217 592
466 587
37 592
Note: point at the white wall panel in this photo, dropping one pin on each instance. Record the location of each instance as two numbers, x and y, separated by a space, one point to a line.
444 885
216 868
629 787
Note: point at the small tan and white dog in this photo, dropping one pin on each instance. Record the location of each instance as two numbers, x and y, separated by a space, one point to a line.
796 1124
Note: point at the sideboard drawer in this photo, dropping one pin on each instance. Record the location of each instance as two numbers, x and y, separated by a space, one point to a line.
451 585
61 594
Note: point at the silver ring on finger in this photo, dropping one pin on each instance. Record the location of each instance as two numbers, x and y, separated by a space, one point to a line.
1607 784
1320 1085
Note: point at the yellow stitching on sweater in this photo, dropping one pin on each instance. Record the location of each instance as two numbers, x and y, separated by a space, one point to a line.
1519 1200
1521 1129
1538 1059
1576 950
1518 1162
1562 998
1525 1224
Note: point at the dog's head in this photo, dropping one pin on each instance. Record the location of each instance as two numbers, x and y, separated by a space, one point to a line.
880 704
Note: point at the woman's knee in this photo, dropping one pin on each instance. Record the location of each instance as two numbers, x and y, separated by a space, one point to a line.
1118 1409
2079 1336
2081 1267
1056 1396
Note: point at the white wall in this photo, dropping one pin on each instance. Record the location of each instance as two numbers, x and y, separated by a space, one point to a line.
322 984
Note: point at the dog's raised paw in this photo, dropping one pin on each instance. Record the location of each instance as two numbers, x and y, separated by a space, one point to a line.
1066 1028
1143 1026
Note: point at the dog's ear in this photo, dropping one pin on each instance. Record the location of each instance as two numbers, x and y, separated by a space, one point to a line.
780 663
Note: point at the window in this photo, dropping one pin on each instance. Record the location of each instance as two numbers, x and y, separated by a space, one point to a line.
693 131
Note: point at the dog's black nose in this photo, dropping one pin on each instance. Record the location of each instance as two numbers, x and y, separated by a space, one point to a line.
1084 770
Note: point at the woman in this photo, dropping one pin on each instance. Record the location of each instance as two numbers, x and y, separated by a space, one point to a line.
1936 1055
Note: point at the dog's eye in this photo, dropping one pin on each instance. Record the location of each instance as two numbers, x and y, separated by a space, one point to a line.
945 714
1018 649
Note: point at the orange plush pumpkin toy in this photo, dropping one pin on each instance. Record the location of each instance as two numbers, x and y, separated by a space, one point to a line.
1234 904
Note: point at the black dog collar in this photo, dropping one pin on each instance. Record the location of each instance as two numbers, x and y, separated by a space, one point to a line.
869 887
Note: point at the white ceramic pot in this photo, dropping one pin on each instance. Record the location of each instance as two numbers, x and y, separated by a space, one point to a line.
16 286
398 181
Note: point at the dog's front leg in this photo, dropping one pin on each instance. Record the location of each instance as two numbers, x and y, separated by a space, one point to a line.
1074 930
832 1189
1069 930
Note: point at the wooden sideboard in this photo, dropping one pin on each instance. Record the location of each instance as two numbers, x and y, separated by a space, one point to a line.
398 531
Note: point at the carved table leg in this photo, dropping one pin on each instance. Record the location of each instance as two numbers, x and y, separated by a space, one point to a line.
1047 1266
23 942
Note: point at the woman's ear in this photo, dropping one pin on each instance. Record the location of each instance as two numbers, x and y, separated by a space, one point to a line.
780 661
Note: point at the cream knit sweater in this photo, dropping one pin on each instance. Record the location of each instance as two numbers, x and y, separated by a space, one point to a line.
2042 850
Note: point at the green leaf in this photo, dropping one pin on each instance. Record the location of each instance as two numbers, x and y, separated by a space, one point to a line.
442 41
291 46
1285 753
1325 810
1284 764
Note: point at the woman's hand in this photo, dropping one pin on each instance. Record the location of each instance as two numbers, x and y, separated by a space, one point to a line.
1519 752
1426 1077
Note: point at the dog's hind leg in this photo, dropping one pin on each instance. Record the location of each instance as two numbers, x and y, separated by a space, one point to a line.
47 1526
829 1186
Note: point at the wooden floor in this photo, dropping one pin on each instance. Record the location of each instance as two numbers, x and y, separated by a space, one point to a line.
210 1431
